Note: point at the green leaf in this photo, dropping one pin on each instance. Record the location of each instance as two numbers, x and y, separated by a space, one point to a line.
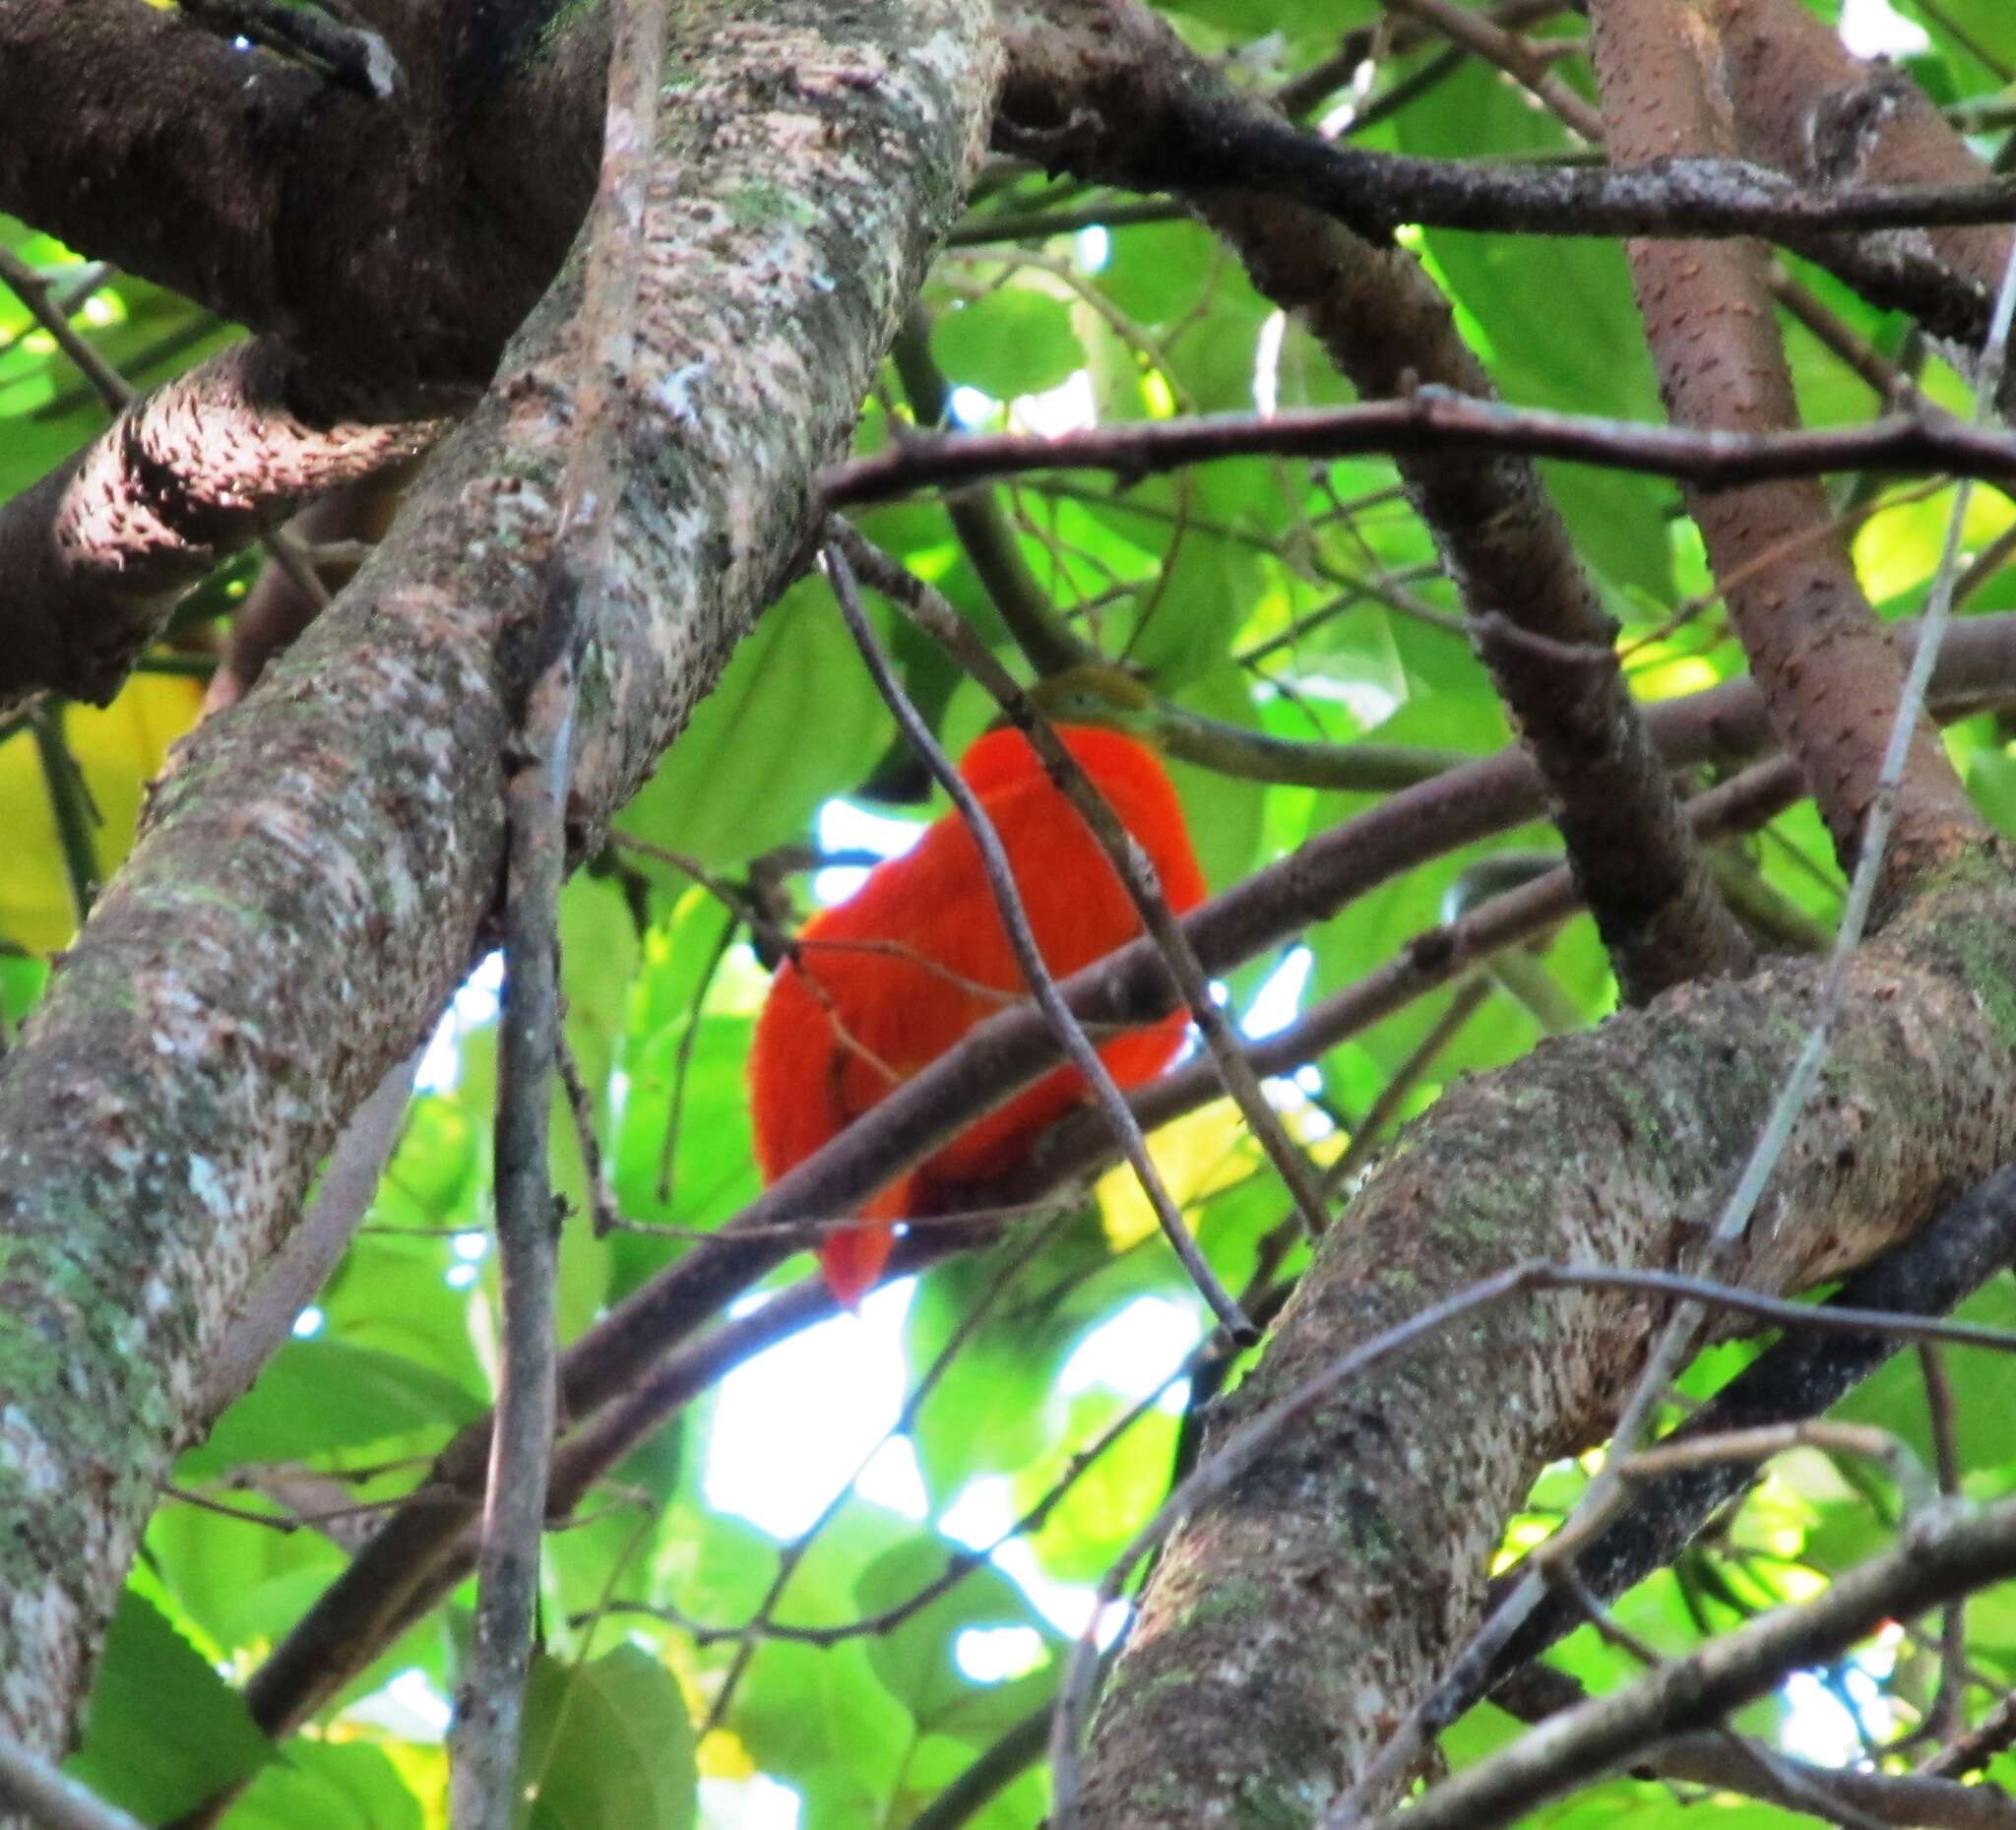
606 1743
329 1785
1893 1397
714 1171
917 1659
994 1406
1015 341
322 1394
162 1730
1112 1499
793 720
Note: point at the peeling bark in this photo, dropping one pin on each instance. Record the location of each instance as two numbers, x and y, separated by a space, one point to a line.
315 869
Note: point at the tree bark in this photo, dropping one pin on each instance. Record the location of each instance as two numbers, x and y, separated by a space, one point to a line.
318 865
1291 1624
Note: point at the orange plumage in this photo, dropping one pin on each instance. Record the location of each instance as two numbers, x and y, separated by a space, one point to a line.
844 1024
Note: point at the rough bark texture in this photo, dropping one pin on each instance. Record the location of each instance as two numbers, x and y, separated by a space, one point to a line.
1829 670
1387 327
98 552
397 240
316 867
1318 1602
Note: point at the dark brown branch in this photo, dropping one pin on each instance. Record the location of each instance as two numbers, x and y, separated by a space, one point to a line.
1431 421
237 182
1083 70
332 536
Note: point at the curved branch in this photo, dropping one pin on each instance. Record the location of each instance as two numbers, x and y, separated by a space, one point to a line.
235 179
97 553
316 867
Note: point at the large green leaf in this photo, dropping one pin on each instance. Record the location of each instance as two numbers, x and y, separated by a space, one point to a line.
606 1743
329 1785
323 1394
1016 339
918 1659
793 720
162 1730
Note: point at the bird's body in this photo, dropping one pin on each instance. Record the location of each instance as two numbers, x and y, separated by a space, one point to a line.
888 981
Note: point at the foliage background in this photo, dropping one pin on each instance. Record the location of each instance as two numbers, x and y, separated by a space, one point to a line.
1298 600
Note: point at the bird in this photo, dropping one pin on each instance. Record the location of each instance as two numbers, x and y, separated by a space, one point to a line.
878 986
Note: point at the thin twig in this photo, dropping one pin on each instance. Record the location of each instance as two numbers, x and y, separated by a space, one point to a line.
69 806
1995 1733
1431 419
1730 1763
1947 1721
288 1521
601 1199
484 1791
52 1799
1018 1750
1070 1036
1914 1486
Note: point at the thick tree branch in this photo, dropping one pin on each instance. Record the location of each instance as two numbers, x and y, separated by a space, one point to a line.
237 178
99 551
316 869
1806 104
